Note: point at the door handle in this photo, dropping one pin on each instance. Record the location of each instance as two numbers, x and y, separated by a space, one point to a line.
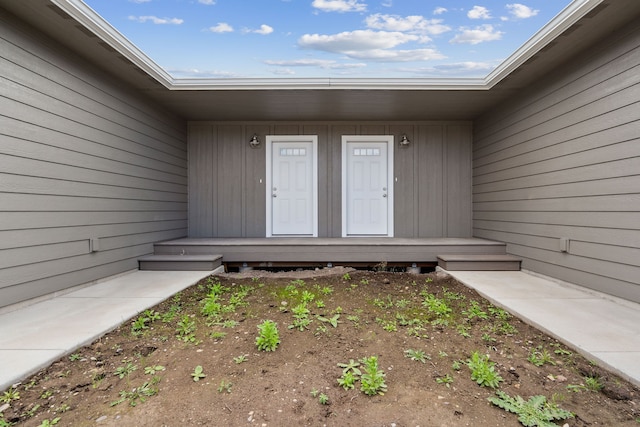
384 195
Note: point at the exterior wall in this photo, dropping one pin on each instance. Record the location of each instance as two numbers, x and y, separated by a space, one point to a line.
81 157
562 160
432 188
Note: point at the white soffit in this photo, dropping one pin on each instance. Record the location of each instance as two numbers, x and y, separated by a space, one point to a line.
87 17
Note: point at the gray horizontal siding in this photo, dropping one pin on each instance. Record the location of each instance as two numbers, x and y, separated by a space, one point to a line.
432 177
81 157
563 161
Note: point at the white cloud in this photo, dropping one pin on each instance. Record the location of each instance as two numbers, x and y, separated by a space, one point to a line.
520 11
222 27
460 69
387 55
195 73
339 5
439 10
264 30
156 20
479 12
483 33
349 41
207 2
321 63
283 72
370 45
407 24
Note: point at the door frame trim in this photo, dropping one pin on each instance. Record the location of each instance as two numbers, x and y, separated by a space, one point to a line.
390 180
269 140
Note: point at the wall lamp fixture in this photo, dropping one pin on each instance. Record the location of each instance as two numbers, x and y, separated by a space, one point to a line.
254 142
404 141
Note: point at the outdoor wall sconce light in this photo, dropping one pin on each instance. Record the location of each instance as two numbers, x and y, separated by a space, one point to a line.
254 142
404 141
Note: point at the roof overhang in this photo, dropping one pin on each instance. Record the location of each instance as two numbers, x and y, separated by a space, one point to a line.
578 26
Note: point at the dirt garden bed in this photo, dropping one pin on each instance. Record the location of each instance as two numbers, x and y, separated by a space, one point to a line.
419 350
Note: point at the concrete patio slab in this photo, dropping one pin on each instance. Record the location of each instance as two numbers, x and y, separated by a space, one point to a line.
601 327
34 336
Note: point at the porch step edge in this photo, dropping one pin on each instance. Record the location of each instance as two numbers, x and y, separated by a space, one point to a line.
479 262
161 262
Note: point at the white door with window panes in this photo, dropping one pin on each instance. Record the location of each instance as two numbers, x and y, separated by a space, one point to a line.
367 186
292 186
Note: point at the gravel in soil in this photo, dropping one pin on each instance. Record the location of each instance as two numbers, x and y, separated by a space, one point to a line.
422 330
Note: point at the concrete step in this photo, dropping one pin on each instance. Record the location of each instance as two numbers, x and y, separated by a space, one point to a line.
180 262
477 262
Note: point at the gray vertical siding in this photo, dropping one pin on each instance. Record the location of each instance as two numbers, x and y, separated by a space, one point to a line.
81 157
432 188
563 161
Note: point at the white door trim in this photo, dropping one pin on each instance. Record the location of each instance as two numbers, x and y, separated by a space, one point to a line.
390 206
269 140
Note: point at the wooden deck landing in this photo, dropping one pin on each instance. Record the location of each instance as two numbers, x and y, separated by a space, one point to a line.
365 251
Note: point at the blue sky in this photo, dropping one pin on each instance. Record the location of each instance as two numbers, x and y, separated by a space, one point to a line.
327 38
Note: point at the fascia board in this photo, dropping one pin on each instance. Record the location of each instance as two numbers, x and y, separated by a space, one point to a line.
329 83
91 20
560 23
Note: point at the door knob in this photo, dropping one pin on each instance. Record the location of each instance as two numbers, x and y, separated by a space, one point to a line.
384 195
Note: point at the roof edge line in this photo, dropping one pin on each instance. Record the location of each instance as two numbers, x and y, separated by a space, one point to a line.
330 83
95 23
560 23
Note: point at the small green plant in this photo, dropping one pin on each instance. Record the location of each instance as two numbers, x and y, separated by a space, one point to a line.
446 380
463 330
364 281
126 370
224 386
483 371
298 282
372 380
443 353
268 338
475 312
326 290
301 319
186 329
488 338
417 355
540 356
62 408
240 359
333 321
31 412
307 296
593 384
198 373
436 306
456 365
217 335
320 304
346 276
46 394
74 357
348 379
590 384
533 412
323 399
10 395
152 370
48 423
139 394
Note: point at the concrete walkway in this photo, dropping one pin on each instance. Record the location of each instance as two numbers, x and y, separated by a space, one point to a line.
602 328
34 336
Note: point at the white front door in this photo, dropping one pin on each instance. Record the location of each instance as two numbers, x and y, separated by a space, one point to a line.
291 186
367 186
